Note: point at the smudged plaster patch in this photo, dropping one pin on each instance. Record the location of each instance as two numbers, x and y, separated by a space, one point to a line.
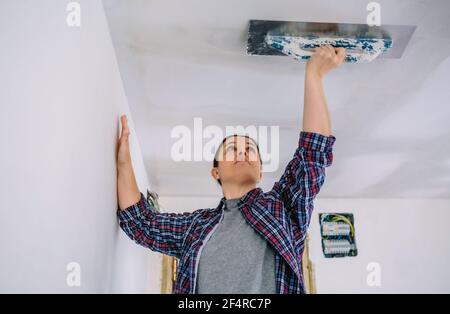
426 112
362 173
181 59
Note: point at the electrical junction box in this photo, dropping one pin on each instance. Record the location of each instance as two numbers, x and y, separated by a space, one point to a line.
338 234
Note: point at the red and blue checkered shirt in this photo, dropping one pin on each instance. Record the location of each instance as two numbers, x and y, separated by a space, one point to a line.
281 216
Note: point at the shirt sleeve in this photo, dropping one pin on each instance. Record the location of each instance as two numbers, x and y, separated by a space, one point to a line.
160 232
305 175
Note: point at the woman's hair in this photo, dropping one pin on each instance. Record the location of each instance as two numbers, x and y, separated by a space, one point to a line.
216 161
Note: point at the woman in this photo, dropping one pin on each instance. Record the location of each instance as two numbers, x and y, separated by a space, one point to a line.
253 241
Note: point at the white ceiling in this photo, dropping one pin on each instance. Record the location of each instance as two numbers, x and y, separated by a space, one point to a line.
184 59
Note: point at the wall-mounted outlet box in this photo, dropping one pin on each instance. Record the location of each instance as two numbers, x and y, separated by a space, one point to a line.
338 234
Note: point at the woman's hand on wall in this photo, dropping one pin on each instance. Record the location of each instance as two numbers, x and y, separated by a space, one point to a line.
127 189
123 149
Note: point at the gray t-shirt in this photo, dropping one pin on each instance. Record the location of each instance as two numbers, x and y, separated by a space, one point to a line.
236 259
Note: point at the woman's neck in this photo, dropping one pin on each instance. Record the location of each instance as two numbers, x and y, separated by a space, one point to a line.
237 191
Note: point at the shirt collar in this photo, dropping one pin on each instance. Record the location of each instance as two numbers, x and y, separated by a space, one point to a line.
247 198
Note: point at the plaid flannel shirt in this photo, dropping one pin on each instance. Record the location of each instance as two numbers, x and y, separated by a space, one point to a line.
281 216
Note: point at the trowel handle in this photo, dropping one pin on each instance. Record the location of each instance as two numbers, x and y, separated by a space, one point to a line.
350 57
366 49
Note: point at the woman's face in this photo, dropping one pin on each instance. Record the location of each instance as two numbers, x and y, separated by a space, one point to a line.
239 161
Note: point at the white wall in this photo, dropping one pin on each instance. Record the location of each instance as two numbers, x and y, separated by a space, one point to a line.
409 238
60 99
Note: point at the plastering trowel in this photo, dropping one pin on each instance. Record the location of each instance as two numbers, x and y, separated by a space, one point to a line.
363 43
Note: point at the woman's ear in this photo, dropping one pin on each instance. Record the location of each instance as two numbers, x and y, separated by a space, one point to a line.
215 173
